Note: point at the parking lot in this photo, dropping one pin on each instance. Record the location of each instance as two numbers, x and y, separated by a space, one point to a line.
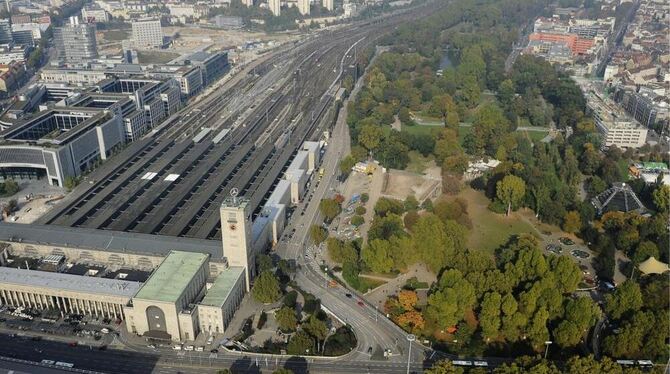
74 329
564 246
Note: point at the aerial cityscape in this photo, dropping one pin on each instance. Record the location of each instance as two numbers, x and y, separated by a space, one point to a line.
335 186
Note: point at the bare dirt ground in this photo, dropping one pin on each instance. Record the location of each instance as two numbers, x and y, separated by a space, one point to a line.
31 210
195 37
399 184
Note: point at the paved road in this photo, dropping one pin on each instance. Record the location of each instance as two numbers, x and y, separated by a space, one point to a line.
117 361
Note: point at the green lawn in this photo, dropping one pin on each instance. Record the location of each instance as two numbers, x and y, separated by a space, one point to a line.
366 284
426 120
534 136
421 129
491 230
623 168
417 163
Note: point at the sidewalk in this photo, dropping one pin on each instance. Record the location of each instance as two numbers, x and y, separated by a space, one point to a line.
378 295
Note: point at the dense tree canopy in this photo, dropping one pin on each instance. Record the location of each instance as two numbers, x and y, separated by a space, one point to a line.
266 288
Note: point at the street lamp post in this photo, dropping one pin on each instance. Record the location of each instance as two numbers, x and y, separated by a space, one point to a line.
546 351
325 277
410 339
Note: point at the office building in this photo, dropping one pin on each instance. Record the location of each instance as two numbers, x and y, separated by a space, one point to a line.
303 7
212 65
23 28
147 33
227 22
75 42
59 143
646 106
93 13
12 75
16 53
5 31
23 37
616 128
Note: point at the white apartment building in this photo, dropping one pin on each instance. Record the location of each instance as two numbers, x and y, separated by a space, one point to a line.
147 33
615 126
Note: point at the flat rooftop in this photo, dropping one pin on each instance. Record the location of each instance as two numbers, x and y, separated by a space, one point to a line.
106 240
222 287
69 282
172 277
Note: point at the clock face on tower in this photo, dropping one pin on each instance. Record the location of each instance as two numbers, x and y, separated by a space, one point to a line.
232 227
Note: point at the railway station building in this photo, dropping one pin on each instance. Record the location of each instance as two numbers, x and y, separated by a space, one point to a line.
100 297
188 291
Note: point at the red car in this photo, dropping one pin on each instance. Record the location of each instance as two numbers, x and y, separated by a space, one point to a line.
361 303
73 344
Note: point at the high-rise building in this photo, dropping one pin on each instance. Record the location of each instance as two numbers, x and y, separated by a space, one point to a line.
5 31
328 4
303 7
75 41
147 33
275 7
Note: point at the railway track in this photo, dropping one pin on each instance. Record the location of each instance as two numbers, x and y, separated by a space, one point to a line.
174 185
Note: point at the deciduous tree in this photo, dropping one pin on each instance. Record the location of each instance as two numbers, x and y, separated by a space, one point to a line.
266 288
286 319
329 208
377 256
510 190
300 344
572 222
407 299
627 298
318 234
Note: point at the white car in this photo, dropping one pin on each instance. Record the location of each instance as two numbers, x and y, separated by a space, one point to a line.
199 349
189 348
177 347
